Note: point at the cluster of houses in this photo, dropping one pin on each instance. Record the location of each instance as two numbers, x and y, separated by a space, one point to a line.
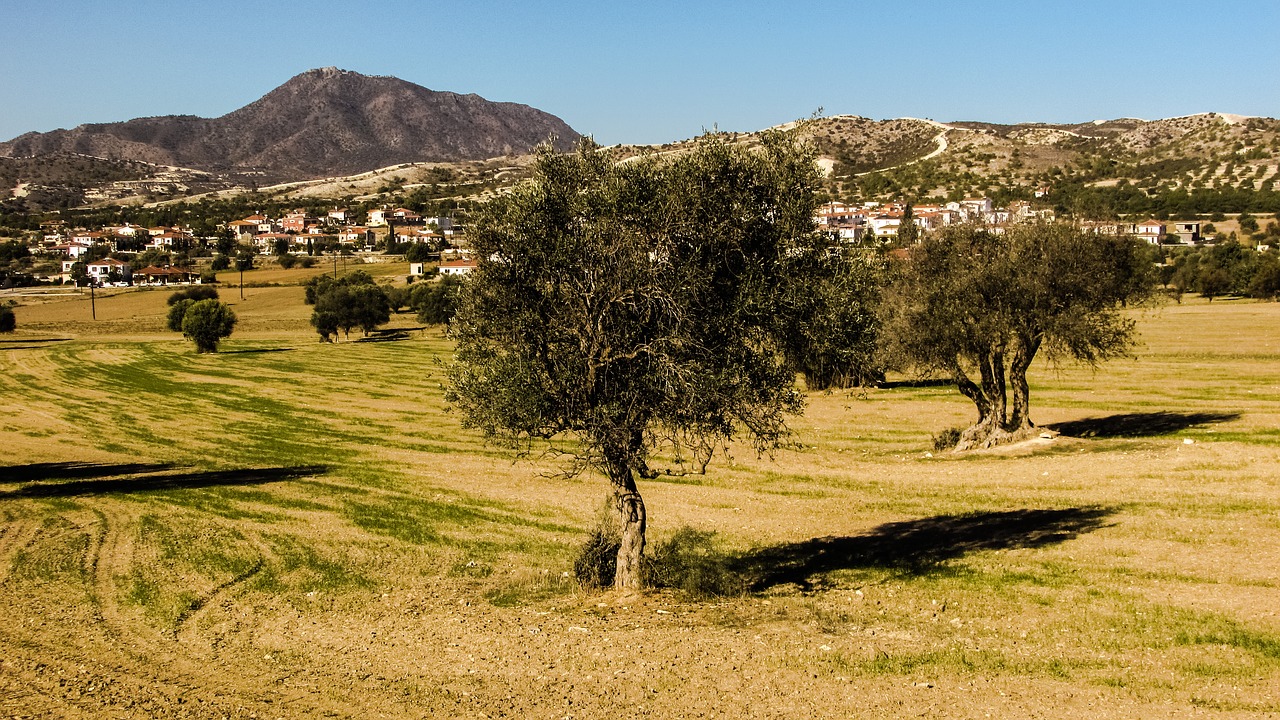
882 221
299 232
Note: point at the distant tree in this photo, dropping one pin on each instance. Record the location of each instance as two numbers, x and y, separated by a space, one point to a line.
206 323
969 301
8 321
79 273
908 231
437 302
1265 283
1248 223
195 292
281 246
1213 281
341 306
178 312
221 262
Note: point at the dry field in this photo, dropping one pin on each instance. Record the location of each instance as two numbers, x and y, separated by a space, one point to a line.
290 529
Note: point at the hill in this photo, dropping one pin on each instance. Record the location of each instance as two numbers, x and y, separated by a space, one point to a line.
320 123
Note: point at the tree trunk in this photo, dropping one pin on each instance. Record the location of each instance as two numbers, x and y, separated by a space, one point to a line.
1023 354
631 517
990 398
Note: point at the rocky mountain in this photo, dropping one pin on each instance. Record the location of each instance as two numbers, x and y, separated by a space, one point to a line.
321 123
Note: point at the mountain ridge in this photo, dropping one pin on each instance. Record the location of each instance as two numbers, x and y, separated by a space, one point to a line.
319 123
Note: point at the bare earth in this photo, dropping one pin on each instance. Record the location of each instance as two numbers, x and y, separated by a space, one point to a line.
294 530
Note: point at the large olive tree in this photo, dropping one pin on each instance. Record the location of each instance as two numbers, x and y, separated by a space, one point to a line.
979 306
622 307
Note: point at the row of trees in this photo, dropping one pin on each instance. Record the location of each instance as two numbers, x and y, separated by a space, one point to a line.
623 309
1227 268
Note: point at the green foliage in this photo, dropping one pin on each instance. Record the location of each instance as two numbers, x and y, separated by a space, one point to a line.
596 563
8 321
617 308
320 284
340 305
436 302
206 323
195 292
829 333
221 262
621 304
967 300
691 562
177 312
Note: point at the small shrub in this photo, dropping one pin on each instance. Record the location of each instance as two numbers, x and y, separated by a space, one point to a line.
597 562
691 562
947 439
8 323
197 292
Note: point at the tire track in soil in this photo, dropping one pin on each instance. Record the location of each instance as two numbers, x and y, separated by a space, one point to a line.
197 607
15 536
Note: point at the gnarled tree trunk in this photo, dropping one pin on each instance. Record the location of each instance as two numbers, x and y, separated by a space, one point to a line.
631 518
1023 353
989 395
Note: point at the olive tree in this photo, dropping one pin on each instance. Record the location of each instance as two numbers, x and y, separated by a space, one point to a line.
620 308
206 323
978 306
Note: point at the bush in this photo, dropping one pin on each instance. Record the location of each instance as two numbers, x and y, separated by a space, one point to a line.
8 322
178 311
690 562
597 562
286 261
947 439
197 292
307 261
222 262
206 322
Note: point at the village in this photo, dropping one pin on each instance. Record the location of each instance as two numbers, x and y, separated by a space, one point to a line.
132 255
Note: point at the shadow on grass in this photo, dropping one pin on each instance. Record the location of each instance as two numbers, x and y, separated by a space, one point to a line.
914 546
32 343
122 479
920 383
1139 424
255 352
73 470
691 562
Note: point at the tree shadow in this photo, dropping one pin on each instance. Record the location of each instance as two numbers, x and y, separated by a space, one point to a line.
73 470
32 343
1139 424
138 478
918 383
255 352
913 546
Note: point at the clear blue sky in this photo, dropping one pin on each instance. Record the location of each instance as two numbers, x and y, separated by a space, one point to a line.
653 71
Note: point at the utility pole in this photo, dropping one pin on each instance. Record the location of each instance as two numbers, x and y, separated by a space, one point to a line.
93 302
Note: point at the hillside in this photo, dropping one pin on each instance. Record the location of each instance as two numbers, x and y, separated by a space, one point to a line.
320 123
922 158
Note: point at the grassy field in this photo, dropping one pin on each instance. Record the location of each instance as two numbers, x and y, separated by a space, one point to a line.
291 529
